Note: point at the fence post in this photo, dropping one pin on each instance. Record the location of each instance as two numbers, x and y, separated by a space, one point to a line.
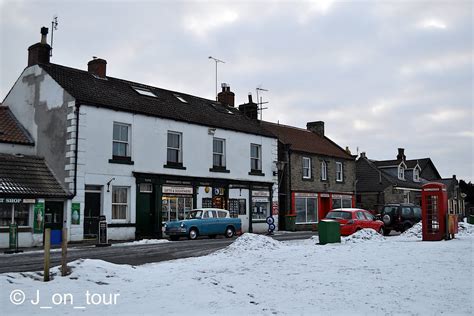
64 253
47 247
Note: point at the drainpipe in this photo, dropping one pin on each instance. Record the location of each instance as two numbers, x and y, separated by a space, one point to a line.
76 149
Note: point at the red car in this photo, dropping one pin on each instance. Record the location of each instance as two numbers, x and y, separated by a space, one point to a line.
354 219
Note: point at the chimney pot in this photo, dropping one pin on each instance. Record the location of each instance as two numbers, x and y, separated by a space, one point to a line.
362 154
98 67
316 127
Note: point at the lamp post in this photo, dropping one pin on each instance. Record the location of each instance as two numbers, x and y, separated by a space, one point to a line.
217 61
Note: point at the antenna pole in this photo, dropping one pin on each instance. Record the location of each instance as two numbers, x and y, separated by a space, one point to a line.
260 102
217 61
54 26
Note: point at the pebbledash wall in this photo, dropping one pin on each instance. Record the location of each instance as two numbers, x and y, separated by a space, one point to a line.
49 113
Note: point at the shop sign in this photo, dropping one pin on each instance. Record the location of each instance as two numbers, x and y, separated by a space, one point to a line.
259 199
307 195
76 213
38 221
324 195
340 196
177 190
260 193
275 210
11 200
218 191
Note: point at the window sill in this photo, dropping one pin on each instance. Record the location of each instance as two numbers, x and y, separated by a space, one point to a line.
258 221
308 179
121 160
174 166
121 224
219 169
256 173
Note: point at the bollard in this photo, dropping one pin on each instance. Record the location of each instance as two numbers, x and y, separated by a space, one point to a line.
64 253
47 246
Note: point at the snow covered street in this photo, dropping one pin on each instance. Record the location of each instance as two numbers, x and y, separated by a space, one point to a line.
365 274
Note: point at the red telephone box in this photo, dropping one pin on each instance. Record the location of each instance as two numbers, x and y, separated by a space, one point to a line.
434 204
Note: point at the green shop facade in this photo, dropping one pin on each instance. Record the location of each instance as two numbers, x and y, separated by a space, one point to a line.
161 198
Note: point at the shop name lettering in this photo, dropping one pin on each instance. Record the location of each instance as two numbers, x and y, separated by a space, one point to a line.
3 200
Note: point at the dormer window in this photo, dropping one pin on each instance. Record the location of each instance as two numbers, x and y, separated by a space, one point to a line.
401 171
416 174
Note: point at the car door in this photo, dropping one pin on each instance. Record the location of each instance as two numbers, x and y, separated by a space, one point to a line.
214 223
371 222
361 220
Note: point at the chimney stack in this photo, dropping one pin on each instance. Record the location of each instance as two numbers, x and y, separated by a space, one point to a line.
362 154
226 96
98 67
401 154
316 127
249 109
39 53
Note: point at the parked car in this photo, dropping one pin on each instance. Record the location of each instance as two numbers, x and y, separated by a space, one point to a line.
354 219
400 217
204 222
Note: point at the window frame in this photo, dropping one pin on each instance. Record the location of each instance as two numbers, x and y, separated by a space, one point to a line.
128 151
401 171
416 174
339 172
258 158
222 155
179 148
308 168
127 204
324 171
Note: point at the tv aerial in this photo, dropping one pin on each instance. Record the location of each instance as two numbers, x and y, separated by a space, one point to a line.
260 102
54 27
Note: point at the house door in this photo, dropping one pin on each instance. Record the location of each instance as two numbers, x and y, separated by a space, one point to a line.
325 207
91 214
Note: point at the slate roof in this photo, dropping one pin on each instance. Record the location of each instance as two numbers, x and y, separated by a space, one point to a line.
409 163
11 131
306 141
370 178
27 177
118 94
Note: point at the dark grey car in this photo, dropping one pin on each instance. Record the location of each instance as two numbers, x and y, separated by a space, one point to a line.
399 217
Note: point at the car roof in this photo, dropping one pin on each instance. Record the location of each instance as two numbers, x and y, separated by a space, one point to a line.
348 209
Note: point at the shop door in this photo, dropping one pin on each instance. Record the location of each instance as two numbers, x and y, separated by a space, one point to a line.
53 215
91 214
325 207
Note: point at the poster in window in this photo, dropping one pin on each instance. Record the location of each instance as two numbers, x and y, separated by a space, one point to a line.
38 222
76 213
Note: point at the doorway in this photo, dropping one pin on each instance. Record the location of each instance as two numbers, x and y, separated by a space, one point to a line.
325 207
53 215
91 214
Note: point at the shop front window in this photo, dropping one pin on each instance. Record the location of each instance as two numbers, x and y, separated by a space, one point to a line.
260 210
306 210
21 214
237 207
176 208
341 202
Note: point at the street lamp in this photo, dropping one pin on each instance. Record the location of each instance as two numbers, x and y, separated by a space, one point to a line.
217 61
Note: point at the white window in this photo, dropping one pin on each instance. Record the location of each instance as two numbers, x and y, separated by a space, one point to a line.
255 157
119 203
324 170
144 91
401 171
174 154
339 172
416 174
218 152
306 168
121 144
146 188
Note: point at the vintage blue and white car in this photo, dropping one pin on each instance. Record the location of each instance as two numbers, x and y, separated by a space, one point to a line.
204 222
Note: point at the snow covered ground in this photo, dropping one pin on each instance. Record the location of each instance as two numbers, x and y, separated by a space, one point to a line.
256 275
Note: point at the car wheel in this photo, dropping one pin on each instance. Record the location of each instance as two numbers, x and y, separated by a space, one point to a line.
212 236
174 238
193 234
229 232
386 231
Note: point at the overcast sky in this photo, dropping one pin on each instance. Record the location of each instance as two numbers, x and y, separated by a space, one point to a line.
380 74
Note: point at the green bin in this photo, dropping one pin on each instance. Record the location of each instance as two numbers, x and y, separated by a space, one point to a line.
329 232
470 219
290 221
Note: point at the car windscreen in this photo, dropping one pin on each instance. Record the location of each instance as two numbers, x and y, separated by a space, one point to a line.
194 214
339 215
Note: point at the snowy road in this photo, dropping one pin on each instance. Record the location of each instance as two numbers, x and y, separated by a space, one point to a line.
366 274
135 254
